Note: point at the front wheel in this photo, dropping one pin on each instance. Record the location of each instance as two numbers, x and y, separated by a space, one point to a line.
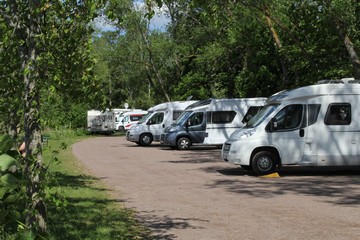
183 143
146 139
263 163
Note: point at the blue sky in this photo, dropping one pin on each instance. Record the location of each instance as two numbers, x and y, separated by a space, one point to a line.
158 21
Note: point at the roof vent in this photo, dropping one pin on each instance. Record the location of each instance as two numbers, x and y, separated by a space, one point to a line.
343 80
329 81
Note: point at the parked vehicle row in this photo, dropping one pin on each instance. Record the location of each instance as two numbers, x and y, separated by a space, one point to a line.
109 121
314 125
209 122
159 117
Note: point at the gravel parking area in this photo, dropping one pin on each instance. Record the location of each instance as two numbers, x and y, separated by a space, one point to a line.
192 194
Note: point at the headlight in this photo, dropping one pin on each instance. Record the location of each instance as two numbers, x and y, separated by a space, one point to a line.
242 133
172 129
135 127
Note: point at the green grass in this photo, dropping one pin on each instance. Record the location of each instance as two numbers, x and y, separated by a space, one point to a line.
83 208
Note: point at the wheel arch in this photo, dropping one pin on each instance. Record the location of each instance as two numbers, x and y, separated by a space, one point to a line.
271 149
147 133
183 135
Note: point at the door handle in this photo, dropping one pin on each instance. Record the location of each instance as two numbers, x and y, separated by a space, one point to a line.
302 132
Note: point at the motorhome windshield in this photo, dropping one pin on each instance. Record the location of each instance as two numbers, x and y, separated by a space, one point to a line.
183 118
145 117
261 115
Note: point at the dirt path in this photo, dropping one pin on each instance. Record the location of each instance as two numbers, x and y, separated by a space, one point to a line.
194 195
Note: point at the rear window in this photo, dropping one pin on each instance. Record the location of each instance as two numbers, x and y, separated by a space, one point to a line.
135 118
338 114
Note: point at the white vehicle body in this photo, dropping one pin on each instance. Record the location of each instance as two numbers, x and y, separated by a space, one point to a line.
209 122
100 122
315 125
159 117
119 112
131 118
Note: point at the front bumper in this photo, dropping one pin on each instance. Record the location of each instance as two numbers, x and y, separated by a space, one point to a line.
230 154
168 139
132 137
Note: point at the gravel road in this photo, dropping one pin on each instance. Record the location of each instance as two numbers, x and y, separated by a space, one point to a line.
194 195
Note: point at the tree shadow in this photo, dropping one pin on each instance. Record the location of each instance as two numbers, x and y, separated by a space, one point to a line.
161 225
83 215
335 185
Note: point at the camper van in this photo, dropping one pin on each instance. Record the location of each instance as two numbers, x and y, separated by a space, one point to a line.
101 121
130 118
119 115
316 125
209 122
159 117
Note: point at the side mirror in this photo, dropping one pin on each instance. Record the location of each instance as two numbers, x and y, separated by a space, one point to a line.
249 117
188 123
273 124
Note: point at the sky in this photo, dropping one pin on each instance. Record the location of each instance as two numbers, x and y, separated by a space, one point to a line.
158 21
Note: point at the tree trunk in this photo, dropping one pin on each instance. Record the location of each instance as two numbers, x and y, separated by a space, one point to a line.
36 210
153 65
355 61
283 59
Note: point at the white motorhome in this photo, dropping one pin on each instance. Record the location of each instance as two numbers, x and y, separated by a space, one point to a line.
209 122
315 125
101 121
119 115
130 118
159 117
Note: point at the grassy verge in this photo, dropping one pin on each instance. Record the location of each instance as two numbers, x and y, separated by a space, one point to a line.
83 208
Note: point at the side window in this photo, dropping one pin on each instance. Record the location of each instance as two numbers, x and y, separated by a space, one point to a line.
289 117
196 119
250 113
135 117
338 114
176 114
221 116
157 118
314 110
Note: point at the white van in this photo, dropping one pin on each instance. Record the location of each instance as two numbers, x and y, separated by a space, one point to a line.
315 125
159 117
130 118
119 115
209 122
101 121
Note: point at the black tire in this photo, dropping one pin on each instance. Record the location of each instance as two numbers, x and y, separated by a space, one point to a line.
183 143
138 143
264 163
146 139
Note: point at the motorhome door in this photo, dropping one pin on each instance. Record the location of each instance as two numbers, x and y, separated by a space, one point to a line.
156 124
288 132
196 126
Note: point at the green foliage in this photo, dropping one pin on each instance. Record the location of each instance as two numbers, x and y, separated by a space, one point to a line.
12 193
86 211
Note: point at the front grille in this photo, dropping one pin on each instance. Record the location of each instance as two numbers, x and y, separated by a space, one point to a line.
227 147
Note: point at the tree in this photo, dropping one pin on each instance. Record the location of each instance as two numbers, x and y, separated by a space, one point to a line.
47 40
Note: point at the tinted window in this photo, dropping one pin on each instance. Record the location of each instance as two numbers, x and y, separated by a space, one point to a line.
314 110
338 114
135 118
176 114
290 117
157 118
253 110
196 119
221 116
